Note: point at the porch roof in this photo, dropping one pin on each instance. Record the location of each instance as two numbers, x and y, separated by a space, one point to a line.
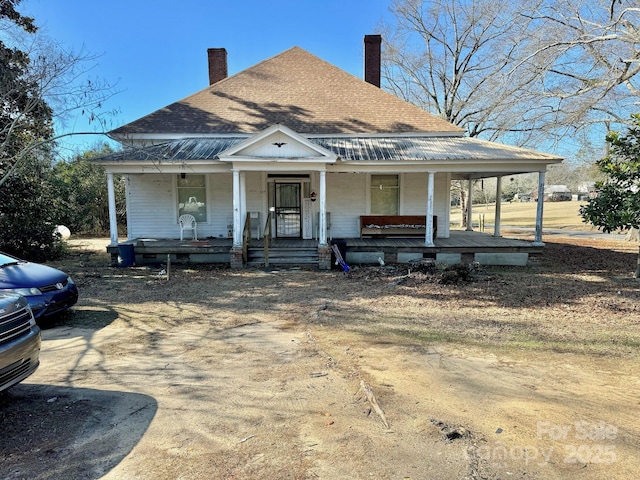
347 148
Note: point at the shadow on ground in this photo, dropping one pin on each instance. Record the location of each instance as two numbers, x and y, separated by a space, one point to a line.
71 433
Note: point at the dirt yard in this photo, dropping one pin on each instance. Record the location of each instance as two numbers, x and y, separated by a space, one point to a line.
514 373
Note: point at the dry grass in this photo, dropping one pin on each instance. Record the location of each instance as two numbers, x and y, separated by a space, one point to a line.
228 355
523 214
576 297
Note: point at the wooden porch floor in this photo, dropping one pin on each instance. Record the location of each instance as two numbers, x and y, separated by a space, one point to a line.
458 242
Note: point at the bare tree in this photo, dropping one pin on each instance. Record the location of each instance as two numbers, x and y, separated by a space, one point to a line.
518 70
593 60
458 59
42 86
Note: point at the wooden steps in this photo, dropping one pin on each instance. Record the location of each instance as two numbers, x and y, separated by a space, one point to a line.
284 256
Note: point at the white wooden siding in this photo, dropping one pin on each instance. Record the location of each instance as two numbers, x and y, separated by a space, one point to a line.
255 184
288 148
346 201
219 205
153 206
153 211
256 193
414 198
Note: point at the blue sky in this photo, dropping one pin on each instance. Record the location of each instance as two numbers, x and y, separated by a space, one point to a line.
156 51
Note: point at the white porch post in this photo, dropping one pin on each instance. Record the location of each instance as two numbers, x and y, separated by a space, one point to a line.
496 226
323 208
538 235
428 236
469 206
243 201
237 206
113 222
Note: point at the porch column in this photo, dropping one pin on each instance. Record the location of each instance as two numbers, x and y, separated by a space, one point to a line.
469 207
113 222
496 225
322 237
428 236
237 206
538 236
243 201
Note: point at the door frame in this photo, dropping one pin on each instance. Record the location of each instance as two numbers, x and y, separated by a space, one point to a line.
288 217
304 181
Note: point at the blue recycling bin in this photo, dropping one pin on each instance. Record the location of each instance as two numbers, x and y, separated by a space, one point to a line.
126 254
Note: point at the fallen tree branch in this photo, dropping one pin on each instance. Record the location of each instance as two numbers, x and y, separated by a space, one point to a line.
374 402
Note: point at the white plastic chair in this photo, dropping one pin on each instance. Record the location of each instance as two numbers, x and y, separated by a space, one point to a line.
188 222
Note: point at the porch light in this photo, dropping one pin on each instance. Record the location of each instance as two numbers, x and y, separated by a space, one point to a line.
312 195
183 175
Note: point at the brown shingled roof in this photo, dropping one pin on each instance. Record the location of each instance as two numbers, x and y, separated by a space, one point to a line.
296 89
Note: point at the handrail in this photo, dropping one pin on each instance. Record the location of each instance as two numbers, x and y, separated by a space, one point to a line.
267 238
246 238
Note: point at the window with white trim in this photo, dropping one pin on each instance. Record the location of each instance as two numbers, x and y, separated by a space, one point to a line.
192 196
385 195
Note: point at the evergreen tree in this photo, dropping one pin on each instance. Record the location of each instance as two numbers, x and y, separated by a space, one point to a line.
82 189
617 205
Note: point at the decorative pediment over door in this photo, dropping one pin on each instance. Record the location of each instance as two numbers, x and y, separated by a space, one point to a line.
278 144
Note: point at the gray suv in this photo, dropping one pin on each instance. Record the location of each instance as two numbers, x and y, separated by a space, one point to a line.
19 340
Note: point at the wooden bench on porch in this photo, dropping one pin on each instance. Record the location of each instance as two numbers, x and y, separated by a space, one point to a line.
395 225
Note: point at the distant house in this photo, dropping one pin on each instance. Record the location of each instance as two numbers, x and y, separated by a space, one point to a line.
522 197
557 193
587 190
304 144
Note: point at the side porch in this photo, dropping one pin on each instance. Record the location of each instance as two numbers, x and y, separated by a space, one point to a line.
461 246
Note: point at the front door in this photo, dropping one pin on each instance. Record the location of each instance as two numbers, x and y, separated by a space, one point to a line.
288 210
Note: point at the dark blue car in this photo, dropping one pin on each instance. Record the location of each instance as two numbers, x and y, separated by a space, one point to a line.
48 290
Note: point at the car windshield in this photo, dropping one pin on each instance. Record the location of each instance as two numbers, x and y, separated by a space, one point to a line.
6 260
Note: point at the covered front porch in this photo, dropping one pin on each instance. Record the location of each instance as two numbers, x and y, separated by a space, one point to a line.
300 193
461 246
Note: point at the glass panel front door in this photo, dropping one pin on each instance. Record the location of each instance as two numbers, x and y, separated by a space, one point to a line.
288 210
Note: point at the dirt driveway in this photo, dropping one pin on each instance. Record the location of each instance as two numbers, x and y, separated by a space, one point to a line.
297 374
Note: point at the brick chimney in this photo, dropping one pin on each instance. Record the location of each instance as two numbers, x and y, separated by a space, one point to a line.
372 54
217 64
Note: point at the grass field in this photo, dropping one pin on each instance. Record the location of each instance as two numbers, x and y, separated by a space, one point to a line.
523 214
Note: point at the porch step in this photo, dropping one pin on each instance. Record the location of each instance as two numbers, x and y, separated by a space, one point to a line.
283 256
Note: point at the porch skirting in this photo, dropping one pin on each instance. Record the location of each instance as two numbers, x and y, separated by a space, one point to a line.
460 247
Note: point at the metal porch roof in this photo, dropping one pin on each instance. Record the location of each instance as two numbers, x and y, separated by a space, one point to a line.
349 149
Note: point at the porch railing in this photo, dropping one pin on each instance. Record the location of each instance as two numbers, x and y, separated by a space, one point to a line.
246 238
267 238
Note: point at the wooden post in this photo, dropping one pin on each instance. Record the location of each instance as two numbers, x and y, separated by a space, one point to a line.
470 206
539 210
237 210
113 222
428 235
481 222
496 224
322 217
168 266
